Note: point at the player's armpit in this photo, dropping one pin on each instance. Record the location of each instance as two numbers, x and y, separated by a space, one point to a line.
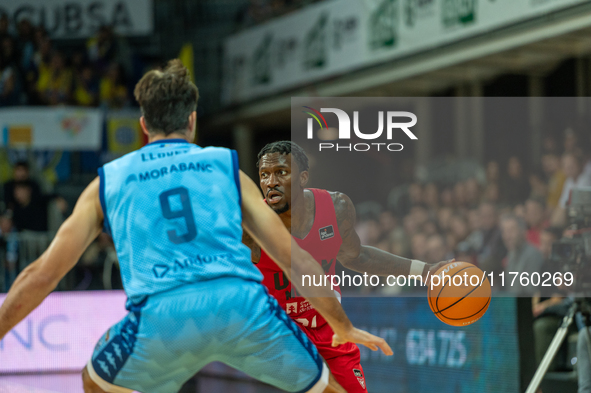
41 277
255 249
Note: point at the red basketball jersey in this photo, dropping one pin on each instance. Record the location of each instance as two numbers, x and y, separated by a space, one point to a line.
323 243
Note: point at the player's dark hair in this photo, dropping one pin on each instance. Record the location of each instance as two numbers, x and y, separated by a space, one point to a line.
167 98
286 147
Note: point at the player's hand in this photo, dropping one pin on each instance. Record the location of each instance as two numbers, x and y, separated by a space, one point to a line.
357 336
432 269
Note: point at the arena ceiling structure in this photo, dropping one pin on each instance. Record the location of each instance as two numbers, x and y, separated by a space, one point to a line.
531 41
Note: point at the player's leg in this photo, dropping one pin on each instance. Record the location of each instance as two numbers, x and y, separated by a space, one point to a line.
110 356
343 361
271 348
333 386
347 370
89 385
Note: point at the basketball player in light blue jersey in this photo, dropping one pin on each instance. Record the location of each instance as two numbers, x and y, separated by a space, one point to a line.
176 212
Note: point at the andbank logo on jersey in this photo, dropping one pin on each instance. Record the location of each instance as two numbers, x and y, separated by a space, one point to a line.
398 123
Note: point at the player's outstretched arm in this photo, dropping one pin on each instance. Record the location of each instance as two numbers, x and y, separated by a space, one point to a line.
365 259
266 228
41 277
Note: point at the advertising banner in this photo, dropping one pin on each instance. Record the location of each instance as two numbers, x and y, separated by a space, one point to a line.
79 18
334 37
61 333
431 356
57 128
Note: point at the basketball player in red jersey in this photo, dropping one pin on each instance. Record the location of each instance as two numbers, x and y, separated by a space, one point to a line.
322 222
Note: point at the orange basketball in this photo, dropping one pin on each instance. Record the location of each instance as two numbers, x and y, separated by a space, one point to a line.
461 295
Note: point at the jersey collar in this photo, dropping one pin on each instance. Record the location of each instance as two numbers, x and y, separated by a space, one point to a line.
167 141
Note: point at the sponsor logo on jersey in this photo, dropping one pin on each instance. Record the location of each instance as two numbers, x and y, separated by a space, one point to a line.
291 307
130 178
360 377
160 270
326 232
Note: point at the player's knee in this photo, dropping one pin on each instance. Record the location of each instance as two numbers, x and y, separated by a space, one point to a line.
89 385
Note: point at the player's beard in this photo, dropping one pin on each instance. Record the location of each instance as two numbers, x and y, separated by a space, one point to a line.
283 209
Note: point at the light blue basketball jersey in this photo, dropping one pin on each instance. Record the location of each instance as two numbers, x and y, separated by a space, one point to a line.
174 212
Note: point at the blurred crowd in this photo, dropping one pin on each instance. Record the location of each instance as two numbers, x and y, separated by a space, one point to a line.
25 232
259 11
506 222
34 71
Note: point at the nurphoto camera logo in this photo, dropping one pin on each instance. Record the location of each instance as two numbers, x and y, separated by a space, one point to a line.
394 120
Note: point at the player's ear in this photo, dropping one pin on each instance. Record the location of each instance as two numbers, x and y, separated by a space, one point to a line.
192 128
144 126
304 176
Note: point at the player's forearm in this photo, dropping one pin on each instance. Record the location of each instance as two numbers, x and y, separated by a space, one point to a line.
304 269
27 292
372 260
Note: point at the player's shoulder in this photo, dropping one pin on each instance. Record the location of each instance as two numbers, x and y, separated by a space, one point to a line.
342 203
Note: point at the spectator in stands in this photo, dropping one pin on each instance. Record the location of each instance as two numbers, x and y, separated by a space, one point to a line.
436 248
78 61
521 257
492 250
29 213
491 193
519 211
9 93
8 249
475 240
556 178
447 197
86 87
42 56
460 195
472 192
29 206
103 48
113 91
444 216
539 188
26 45
515 185
459 229
430 228
414 197
55 85
20 174
535 219
431 197
419 246
574 169
9 52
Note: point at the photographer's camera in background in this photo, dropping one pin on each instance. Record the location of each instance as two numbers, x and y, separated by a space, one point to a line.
572 253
